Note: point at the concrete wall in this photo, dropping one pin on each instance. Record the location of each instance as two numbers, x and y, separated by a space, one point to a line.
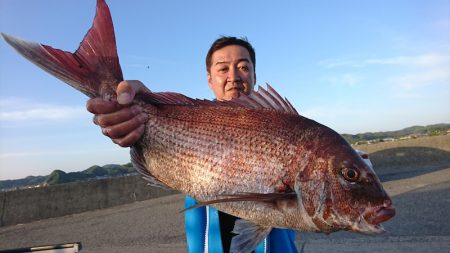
28 205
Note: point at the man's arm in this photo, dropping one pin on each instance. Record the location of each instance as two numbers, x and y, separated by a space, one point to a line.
120 120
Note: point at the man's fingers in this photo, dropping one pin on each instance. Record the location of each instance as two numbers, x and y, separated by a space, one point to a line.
124 128
100 106
126 90
125 114
120 120
130 138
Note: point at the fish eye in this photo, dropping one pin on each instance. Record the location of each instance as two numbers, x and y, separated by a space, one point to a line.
350 174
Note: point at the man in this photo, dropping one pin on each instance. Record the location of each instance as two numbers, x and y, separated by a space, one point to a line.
230 65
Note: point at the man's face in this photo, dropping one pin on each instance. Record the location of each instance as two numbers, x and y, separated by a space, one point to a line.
231 72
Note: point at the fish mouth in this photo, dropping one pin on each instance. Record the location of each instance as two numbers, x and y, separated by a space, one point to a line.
370 221
379 215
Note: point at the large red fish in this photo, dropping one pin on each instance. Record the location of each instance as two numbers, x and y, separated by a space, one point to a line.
253 157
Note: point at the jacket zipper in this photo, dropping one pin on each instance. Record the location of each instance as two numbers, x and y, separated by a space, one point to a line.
265 245
206 229
206 250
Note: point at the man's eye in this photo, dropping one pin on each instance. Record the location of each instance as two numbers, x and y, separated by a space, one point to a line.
244 68
223 70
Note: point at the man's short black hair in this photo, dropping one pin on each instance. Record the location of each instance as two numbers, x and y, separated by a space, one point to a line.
227 41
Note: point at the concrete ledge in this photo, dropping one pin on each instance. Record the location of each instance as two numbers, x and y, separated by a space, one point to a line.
397 244
33 204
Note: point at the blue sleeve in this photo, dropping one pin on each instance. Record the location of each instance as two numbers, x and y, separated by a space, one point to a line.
282 241
195 222
278 241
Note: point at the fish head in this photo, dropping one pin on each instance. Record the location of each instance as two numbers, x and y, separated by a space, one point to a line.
340 191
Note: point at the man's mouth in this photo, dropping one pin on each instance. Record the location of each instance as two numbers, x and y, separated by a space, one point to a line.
234 89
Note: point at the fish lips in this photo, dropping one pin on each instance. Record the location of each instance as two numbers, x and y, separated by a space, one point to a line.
377 215
371 219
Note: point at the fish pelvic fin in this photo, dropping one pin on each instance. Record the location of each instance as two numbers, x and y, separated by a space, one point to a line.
93 69
249 235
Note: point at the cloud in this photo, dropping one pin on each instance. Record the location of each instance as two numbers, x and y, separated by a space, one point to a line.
343 118
339 62
333 111
23 110
420 60
144 60
430 59
346 79
55 153
406 76
413 84
443 25
413 80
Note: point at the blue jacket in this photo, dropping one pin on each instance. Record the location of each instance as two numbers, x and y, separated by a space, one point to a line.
203 233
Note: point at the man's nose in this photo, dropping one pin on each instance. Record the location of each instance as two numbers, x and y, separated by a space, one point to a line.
234 75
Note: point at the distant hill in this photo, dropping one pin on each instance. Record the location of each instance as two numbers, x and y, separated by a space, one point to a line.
60 177
112 170
93 172
429 130
28 181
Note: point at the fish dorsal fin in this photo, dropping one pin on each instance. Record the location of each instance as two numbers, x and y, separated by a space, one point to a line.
166 98
269 99
261 99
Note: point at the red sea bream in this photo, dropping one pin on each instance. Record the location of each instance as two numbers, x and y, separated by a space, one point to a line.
253 157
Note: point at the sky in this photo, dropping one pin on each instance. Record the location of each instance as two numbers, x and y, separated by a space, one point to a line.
355 66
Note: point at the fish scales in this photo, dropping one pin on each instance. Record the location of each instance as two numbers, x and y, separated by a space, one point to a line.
203 155
199 143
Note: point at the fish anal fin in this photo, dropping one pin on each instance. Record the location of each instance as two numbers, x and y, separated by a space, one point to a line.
137 159
249 235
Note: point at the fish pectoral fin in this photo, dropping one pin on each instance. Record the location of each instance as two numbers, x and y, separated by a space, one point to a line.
249 235
277 199
261 197
199 204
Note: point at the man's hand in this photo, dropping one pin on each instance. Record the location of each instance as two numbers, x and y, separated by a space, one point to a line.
120 120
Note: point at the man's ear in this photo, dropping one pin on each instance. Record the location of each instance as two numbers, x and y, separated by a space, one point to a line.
210 81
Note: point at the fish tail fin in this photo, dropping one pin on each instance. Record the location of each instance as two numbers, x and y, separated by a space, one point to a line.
93 69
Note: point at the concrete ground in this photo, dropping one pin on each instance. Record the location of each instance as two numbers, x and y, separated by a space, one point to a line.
421 198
